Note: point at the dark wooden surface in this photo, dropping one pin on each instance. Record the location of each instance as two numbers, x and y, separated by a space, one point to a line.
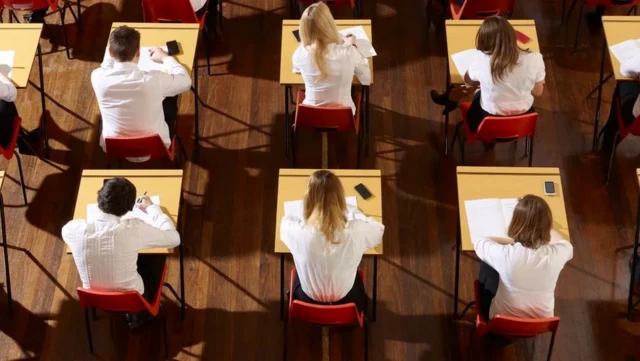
231 272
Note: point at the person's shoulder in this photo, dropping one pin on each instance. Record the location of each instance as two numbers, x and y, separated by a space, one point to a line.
73 227
532 56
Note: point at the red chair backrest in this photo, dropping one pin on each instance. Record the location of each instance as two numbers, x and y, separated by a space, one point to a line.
323 315
327 119
30 5
505 128
15 132
150 146
613 3
480 9
170 11
514 327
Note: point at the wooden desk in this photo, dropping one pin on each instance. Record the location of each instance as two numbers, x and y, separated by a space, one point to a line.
616 30
461 35
504 182
24 40
292 185
157 34
6 248
165 183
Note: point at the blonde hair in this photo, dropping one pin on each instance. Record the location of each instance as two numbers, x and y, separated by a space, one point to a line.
317 31
531 222
497 38
325 205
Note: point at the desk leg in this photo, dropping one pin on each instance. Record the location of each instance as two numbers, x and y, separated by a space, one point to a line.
634 264
42 100
282 287
6 255
196 148
287 89
183 310
375 289
366 123
457 280
597 120
446 115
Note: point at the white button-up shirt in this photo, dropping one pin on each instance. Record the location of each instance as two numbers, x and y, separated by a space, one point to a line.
8 91
106 250
198 4
631 68
343 61
326 270
130 100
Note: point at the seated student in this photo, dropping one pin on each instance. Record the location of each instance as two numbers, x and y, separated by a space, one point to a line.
327 245
106 249
326 61
518 275
134 102
8 111
508 76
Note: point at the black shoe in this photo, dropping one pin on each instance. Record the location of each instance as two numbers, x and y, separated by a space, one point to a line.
440 99
35 17
135 320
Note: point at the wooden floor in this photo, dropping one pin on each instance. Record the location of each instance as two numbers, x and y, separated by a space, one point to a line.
232 275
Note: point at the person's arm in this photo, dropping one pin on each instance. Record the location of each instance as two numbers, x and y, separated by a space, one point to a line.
631 67
472 75
8 91
74 231
162 233
295 60
177 81
361 64
368 228
538 88
290 227
502 240
492 253
469 81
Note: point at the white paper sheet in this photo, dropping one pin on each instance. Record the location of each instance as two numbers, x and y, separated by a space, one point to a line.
508 205
296 208
489 217
363 43
146 64
93 211
625 49
6 62
463 59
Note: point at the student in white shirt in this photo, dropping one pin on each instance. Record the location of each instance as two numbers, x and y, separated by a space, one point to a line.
134 102
8 110
106 249
518 274
327 61
327 244
508 76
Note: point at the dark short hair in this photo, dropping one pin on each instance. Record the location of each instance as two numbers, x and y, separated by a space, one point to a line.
117 196
124 43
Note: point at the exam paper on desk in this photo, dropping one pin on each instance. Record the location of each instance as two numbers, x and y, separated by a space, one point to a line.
93 211
6 62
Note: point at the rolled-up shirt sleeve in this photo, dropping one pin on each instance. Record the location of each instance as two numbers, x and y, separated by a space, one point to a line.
361 64
8 91
492 253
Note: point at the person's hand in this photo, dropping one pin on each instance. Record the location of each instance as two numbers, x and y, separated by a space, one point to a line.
350 39
158 54
144 203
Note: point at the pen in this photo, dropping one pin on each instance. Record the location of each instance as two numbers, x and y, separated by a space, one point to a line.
140 199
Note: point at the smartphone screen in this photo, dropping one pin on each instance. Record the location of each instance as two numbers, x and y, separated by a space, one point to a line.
172 47
363 191
549 188
522 37
296 33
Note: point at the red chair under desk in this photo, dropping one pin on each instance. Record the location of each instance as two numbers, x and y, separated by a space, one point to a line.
623 132
480 9
152 146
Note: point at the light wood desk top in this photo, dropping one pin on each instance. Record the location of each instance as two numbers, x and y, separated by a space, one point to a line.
164 183
23 39
1 178
292 185
461 35
616 30
290 44
509 182
157 34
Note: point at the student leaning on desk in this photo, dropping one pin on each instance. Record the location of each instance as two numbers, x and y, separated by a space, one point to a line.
518 274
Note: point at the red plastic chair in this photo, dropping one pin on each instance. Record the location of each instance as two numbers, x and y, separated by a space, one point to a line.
33 5
325 315
124 302
511 327
326 120
10 151
356 6
177 11
498 130
481 9
151 146
609 4
623 131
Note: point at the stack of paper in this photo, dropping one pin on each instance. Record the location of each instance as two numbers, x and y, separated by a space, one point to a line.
463 60
489 217
6 62
362 41
93 211
296 208
626 49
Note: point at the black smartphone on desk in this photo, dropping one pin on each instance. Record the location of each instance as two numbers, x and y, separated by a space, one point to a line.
363 191
296 33
172 47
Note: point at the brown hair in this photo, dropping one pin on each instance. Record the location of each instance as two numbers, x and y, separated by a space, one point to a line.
124 43
531 222
497 38
324 204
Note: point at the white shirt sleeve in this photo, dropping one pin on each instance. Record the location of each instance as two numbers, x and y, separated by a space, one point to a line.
474 67
162 234
8 91
107 61
492 253
363 73
564 248
177 80
289 228
631 67
74 231
540 70
295 60
365 228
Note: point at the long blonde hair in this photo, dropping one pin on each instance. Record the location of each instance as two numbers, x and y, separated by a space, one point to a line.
497 38
324 204
317 31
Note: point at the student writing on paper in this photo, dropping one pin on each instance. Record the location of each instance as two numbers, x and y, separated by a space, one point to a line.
106 249
8 110
518 274
134 102
327 61
328 243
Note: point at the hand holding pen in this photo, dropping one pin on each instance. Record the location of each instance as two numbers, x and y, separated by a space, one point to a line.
144 202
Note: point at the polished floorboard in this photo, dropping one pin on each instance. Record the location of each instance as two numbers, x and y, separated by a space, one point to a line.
232 275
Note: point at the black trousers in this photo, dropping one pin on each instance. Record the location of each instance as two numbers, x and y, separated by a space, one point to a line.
8 114
627 92
170 107
357 295
489 280
476 114
150 269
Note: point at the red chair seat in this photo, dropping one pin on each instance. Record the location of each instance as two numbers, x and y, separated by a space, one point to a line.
480 9
152 146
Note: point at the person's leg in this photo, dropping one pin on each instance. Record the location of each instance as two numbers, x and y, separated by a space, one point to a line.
357 295
476 114
8 114
489 280
627 93
150 268
36 17
170 107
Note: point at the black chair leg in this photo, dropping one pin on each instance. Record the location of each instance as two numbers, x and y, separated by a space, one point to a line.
456 135
293 134
173 291
164 333
94 313
575 42
7 273
613 153
553 338
366 341
530 152
284 339
64 30
473 330
88 326
207 41
564 3
24 191
573 5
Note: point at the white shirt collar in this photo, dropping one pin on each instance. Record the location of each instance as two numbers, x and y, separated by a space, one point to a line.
125 65
106 217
